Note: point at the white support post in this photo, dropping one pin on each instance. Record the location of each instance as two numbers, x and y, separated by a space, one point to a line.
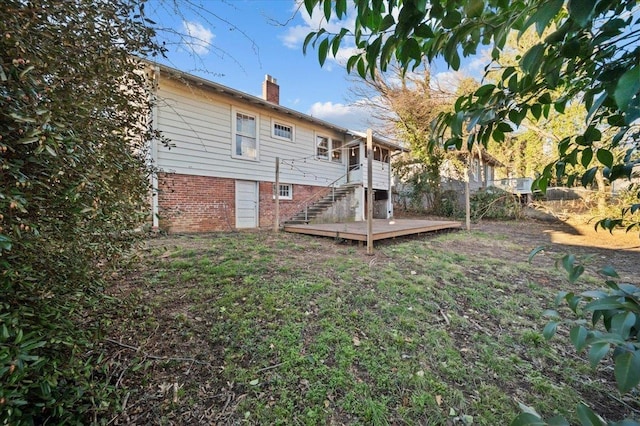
276 213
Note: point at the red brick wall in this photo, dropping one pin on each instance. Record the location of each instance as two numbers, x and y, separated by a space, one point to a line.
196 203
288 208
204 204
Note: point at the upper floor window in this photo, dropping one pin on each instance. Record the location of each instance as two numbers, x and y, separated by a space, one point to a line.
336 150
245 135
328 149
281 130
322 147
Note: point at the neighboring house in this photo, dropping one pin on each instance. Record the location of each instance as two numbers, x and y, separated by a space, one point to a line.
481 174
219 172
481 171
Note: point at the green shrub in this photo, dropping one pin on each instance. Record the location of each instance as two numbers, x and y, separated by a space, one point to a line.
607 321
494 203
73 188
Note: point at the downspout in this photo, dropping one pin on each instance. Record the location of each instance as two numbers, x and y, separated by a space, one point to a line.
154 150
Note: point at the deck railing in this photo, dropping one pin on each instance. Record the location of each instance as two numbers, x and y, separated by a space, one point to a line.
513 185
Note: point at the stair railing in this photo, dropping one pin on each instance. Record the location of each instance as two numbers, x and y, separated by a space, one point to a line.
303 206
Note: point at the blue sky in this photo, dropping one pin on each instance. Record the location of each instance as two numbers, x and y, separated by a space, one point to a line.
237 42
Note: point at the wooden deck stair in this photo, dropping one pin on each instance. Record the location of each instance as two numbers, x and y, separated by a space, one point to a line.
311 212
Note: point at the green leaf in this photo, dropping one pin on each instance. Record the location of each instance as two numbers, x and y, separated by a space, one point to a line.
621 324
323 50
568 262
307 40
609 271
587 177
627 370
605 157
576 273
487 89
421 5
550 329
310 4
535 251
5 242
597 352
412 49
341 8
451 19
474 8
558 421
327 10
604 304
527 419
592 134
627 87
531 60
587 156
581 10
578 336
536 111
543 16
588 417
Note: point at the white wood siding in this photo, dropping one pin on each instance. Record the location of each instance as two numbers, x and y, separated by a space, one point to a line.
380 174
199 124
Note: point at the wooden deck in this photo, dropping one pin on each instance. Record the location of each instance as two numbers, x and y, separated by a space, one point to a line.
382 228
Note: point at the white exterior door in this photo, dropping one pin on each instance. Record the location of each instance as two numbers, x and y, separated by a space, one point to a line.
246 204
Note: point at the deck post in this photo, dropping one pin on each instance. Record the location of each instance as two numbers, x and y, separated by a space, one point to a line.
369 191
276 213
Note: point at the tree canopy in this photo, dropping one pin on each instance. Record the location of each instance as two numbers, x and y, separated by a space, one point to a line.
587 50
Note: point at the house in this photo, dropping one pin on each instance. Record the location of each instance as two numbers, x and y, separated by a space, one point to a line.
482 175
219 171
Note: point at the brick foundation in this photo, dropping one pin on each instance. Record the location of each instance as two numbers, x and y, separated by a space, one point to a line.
196 203
189 203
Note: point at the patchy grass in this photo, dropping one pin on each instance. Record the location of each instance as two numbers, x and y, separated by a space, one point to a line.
268 328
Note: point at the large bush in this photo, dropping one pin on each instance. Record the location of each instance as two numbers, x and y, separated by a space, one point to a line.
494 203
73 187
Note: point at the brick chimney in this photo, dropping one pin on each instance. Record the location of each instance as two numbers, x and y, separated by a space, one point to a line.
270 90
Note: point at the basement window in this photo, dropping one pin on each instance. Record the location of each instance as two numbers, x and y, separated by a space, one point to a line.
285 191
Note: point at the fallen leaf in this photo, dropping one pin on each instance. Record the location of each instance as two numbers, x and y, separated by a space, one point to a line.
439 399
254 382
420 373
356 341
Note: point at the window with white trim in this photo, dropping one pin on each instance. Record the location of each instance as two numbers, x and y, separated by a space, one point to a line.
285 191
323 146
336 150
329 149
284 131
245 135
475 169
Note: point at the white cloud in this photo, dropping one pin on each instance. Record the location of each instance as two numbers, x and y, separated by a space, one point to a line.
354 117
295 35
198 37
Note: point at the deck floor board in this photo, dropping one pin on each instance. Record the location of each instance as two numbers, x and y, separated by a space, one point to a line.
382 228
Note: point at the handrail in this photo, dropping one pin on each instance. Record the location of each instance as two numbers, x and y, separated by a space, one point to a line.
304 205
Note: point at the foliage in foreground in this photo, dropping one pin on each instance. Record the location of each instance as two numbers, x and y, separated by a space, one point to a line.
590 53
616 310
73 187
